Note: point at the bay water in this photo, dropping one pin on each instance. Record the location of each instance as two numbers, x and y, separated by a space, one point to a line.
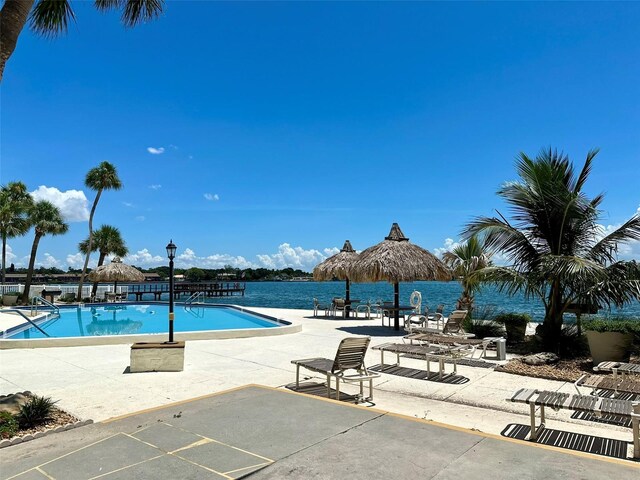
300 295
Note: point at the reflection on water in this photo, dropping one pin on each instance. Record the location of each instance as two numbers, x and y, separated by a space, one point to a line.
102 325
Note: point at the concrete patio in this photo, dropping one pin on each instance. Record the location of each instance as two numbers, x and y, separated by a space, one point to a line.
267 433
93 382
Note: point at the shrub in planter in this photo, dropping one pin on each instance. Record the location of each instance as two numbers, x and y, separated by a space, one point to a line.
9 299
35 411
67 298
482 328
611 340
8 425
515 324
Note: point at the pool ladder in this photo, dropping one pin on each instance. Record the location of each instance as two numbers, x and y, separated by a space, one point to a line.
35 303
196 297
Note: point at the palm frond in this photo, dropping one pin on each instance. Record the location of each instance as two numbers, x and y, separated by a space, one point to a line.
51 17
605 250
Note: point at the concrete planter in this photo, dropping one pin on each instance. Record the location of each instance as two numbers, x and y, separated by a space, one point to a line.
157 357
515 332
10 299
609 346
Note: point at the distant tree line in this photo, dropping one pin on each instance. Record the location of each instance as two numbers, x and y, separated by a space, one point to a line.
196 274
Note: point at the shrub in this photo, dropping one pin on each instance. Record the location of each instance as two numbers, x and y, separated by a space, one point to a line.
35 411
621 325
8 425
513 319
482 328
515 324
68 298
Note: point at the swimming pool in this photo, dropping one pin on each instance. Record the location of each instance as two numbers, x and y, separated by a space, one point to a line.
123 323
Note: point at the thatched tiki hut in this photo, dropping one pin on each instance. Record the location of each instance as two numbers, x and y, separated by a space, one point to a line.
397 260
336 267
116 272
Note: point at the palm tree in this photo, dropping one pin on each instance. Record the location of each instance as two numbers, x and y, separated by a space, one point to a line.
465 259
47 220
558 251
51 18
103 177
15 202
108 241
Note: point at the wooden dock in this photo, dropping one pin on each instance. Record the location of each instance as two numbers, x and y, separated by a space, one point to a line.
209 289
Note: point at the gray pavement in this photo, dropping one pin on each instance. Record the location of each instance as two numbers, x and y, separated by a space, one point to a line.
261 432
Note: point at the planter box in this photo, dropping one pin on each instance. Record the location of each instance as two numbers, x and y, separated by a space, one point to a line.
9 299
515 332
157 357
609 346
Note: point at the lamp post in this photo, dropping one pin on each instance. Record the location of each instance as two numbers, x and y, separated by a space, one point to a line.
171 253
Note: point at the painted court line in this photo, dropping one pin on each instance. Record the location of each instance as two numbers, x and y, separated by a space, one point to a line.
627 463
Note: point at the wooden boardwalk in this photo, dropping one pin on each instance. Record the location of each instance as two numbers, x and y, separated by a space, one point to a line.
209 289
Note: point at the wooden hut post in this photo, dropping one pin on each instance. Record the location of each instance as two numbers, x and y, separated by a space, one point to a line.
396 304
347 299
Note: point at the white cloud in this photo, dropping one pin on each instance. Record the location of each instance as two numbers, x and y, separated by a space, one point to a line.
9 255
72 203
189 259
49 261
155 187
140 218
144 258
155 151
127 204
294 257
450 244
77 260
212 197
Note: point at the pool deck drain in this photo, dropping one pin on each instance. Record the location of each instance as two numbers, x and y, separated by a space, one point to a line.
264 432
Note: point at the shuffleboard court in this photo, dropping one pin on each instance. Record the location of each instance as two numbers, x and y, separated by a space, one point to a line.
264 433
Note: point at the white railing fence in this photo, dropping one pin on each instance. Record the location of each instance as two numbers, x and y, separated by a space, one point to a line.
36 290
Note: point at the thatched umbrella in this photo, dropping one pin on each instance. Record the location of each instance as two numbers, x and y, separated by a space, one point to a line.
336 267
116 272
397 260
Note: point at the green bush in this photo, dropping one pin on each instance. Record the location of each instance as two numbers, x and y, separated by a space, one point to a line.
35 411
67 298
513 319
482 328
515 324
621 325
8 425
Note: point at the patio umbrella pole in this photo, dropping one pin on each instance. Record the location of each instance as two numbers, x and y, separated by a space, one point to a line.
396 304
347 306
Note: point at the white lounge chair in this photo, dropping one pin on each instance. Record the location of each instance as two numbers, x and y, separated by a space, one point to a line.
347 366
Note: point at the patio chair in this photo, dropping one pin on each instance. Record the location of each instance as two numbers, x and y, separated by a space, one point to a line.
339 304
318 306
453 326
348 366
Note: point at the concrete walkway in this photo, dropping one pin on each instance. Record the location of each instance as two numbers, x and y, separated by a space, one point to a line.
92 383
267 433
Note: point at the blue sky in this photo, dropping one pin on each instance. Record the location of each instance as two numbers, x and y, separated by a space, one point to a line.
286 128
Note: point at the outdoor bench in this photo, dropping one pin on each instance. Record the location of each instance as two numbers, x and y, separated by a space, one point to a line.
581 403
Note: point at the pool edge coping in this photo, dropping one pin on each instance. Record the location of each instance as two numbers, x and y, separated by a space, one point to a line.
285 327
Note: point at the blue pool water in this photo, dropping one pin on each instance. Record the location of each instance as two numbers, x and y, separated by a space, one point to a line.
134 319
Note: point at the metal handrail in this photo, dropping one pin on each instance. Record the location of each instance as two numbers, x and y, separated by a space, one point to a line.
34 303
29 320
194 297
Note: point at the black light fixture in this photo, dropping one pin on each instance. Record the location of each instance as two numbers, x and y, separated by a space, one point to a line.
171 253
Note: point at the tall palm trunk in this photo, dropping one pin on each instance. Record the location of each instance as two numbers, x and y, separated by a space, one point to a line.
13 18
4 257
86 259
32 262
94 289
552 325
